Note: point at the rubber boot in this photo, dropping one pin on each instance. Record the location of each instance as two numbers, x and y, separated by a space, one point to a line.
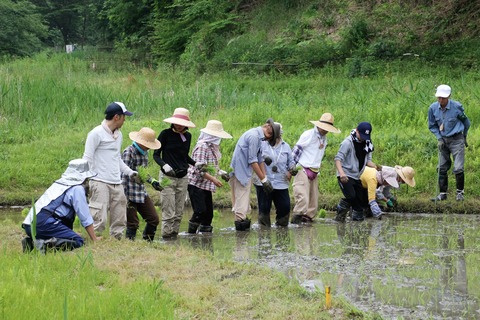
357 215
149 232
443 185
205 229
130 233
242 225
65 244
264 220
296 219
282 221
342 209
460 179
27 244
192 227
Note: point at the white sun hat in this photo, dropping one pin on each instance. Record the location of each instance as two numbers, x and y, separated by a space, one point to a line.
215 128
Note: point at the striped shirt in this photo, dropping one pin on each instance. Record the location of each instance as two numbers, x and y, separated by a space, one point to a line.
202 153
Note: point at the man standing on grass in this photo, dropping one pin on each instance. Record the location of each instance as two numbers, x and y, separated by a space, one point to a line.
247 158
449 123
102 151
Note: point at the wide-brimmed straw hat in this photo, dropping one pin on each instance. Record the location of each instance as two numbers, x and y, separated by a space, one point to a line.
181 116
390 176
215 128
77 172
145 137
406 173
276 131
326 123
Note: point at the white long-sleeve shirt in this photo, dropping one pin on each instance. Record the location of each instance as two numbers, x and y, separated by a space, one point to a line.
102 151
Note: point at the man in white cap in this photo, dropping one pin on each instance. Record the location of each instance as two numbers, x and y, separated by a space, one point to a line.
449 123
102 151
135 156
308 152
56 210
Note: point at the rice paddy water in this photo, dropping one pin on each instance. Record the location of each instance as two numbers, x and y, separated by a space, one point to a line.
407 266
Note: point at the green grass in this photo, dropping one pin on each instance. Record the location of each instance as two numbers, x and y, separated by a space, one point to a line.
50 103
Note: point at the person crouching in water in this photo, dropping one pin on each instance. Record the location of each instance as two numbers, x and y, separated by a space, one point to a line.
279 162
354 154
135 156
201 183
56 210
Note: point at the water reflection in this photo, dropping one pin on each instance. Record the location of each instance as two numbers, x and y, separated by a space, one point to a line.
403 266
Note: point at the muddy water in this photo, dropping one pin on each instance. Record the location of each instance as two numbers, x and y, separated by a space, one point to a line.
407 266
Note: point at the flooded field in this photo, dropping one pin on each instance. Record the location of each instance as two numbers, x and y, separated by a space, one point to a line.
405 266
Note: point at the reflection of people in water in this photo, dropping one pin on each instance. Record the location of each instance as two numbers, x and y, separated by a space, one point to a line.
202 242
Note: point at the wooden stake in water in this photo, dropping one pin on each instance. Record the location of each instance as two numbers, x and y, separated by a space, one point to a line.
328 298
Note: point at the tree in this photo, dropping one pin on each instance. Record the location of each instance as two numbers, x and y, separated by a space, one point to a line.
21 28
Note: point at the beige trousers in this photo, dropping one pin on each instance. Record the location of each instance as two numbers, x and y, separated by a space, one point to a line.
104 199
173 202
240 198
306 195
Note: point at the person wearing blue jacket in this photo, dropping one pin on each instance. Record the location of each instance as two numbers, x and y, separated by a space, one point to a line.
449 123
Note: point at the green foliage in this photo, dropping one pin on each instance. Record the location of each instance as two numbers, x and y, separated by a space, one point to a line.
22 29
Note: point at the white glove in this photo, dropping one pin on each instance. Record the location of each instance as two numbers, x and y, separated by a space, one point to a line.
376 211
168 170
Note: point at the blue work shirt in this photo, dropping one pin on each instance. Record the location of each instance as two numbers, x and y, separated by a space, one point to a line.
282 159
452 118
247 151
74 202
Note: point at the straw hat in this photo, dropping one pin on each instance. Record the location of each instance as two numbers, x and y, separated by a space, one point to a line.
390 176
406 173
326 123
77 172
215 128
145 137
181 116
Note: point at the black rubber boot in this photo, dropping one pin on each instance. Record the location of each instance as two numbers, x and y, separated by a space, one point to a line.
242 225
130 234
357 215
264 220
27 244
149 232
460 179
192 227
296 219
282 221
443 183
342 209
205 229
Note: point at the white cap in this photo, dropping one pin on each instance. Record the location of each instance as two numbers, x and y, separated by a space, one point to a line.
443 91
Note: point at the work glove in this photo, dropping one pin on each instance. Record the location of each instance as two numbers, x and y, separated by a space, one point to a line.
224 175
155 184
376 211
168 170
441 143
391 202
202 167
267 160
267 185
135 177
293 171
466 143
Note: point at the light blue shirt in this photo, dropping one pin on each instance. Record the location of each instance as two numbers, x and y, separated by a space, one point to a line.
247 151
452 119
281 156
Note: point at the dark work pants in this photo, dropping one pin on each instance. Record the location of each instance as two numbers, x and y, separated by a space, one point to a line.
202 205
280 199
146 210
353 193
49 227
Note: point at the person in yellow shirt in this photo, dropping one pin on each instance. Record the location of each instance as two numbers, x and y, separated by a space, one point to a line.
375 181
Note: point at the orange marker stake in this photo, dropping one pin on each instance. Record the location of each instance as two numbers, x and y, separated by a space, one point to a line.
328 298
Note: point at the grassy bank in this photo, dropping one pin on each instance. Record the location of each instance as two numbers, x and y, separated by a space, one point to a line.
48 105
135 280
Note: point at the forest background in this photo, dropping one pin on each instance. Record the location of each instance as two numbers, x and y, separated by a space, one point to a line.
240 62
